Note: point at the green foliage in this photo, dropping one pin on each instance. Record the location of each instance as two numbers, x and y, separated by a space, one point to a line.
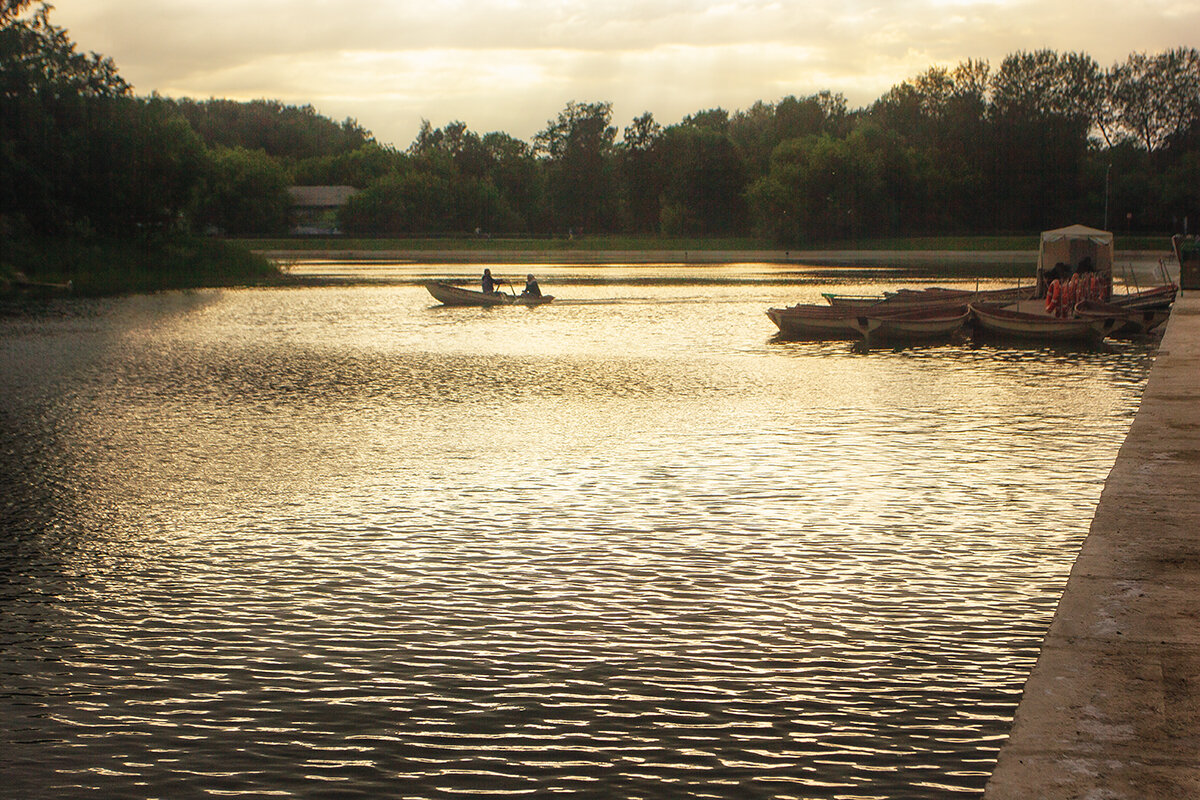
579 147
281 131
358 168
103 266
140 167
48 92
821 188
1044 139
703 190
400 204
764 126
641 175
519 179
1158 97
246 194
451 179
111 164
38 59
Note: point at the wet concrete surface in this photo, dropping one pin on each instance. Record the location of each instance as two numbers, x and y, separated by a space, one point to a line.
1112 708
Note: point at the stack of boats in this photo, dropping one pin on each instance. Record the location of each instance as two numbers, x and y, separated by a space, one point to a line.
1035 312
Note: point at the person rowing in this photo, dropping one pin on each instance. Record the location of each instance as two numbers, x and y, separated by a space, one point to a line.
488 283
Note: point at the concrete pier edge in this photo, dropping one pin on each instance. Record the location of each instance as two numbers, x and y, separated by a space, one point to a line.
1112 707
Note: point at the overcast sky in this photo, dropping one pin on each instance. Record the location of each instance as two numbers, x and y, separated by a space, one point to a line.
511 65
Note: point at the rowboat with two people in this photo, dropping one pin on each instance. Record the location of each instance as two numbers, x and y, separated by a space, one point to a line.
450 295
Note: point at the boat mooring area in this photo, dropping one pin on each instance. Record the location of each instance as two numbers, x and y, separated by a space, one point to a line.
1112 708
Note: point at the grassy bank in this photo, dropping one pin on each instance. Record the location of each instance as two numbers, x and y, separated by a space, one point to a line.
104 267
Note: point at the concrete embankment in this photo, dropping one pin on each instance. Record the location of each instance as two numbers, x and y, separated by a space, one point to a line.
1112 708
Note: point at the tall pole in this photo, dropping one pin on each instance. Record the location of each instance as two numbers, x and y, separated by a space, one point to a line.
1107 172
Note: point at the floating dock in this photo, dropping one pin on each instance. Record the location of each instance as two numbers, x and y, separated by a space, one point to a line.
1112 708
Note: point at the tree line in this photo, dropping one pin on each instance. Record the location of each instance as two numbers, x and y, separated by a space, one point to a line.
1043 139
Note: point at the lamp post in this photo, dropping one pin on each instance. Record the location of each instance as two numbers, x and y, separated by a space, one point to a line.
1107 172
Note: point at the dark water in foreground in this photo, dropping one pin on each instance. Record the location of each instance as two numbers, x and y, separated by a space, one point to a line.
342 543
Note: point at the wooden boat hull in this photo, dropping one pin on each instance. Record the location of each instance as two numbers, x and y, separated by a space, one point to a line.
814 322
1040 327
912 326
1159 296
450 295
1133 321
933 299
853 302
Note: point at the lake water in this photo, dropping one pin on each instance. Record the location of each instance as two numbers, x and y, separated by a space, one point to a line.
343 542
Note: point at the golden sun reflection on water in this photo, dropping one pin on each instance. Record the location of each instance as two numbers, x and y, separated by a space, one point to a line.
282 541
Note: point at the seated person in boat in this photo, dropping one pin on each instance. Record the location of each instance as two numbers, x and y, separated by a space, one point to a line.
489 283
1060 272
531 287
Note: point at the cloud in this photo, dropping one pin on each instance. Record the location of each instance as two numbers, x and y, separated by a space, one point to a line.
512 64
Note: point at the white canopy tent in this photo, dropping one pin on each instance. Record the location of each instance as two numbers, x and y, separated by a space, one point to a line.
1073 244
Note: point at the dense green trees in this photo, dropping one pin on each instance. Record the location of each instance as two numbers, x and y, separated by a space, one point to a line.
578 149
281 131
1042 139
51 99
246 193
1025 146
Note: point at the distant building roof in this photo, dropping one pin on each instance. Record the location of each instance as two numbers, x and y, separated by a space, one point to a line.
321 196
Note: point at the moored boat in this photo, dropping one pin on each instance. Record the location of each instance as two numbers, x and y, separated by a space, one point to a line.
1159 296
1133 321
1074 252
927 294
1006 322
853 301
932 299
911 325
814 322
451 295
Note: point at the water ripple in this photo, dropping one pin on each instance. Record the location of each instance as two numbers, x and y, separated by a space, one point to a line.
335 543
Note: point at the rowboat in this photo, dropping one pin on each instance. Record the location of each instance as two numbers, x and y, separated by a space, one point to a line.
911 325
856 302
931 299
814 322
1159 296
450 295
927 294
1043 327
1132 321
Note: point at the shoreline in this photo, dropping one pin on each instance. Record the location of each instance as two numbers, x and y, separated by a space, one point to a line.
1134 265
685 257
673 257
